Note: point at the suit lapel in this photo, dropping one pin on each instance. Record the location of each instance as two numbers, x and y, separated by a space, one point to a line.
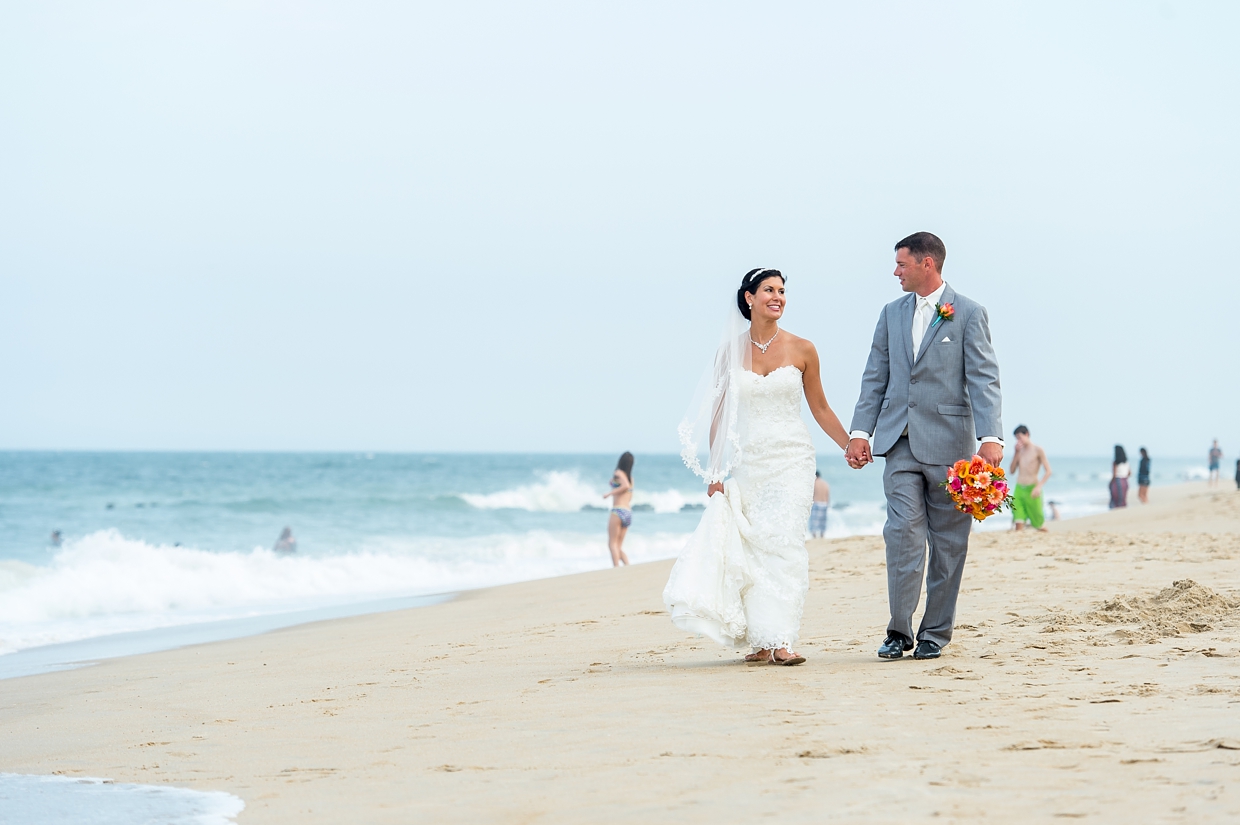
906 326
948 297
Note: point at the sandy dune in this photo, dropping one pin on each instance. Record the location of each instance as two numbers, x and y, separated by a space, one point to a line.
1095 675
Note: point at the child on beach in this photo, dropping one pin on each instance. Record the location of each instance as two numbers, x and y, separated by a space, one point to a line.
1215 457
1027 460
621 495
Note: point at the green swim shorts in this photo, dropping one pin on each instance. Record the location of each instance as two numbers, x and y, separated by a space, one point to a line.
1025 507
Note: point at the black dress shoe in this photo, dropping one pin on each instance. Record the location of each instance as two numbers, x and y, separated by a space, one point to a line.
894 646
927 649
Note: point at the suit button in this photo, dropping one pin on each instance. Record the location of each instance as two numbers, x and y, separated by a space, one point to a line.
913 381
912 403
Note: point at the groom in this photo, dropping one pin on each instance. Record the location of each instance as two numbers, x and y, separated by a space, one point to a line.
930 391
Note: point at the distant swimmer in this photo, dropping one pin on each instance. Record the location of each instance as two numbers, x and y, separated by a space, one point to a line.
621 495
286 543
56 538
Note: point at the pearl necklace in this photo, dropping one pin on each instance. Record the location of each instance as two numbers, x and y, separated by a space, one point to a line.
767 344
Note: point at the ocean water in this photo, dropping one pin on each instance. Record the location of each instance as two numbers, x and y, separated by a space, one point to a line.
40 800
154 541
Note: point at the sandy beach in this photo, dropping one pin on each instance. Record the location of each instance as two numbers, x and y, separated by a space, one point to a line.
1095 675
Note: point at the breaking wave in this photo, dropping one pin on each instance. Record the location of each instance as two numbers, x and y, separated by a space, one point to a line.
565 492
106 583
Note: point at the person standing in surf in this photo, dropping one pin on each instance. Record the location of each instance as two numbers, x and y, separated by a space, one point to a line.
621 495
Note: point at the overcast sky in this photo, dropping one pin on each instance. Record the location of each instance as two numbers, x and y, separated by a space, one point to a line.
502 226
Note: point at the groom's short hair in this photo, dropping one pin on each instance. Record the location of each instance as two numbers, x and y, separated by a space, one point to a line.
922 245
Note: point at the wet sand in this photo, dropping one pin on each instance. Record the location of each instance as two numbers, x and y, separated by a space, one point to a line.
1095 675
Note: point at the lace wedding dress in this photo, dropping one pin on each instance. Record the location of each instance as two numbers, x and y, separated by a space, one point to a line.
743 575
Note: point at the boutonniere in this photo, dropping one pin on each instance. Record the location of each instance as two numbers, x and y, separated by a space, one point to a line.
943 312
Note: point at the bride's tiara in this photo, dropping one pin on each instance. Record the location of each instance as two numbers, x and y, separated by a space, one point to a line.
752 278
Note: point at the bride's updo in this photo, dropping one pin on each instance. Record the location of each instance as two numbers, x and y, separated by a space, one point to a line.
750 283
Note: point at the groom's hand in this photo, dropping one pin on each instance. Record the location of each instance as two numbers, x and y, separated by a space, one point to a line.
858 453
991 453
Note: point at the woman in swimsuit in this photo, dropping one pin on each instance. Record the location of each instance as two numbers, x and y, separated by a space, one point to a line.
621 494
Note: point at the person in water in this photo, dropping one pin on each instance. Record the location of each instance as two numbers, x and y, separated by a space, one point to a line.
621 495
286 543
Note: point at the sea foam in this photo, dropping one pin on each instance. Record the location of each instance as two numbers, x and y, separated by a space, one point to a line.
106 583
564 492
37 800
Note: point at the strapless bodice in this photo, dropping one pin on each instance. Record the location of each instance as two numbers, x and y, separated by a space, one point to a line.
772 402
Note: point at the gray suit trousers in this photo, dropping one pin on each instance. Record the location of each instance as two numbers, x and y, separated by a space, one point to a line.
920 511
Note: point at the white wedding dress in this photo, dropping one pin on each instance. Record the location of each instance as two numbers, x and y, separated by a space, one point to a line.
743 575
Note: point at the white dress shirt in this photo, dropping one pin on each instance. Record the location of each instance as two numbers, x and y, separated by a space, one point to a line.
923 317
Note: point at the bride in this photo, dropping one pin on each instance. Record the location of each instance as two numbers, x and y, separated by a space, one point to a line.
743 575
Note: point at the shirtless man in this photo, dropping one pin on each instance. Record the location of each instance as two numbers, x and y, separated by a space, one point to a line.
818 512
1027 497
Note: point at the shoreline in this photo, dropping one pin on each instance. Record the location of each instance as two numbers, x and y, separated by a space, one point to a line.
80 653
574 698
90 651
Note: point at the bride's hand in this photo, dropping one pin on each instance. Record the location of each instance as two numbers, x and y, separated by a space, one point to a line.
717 487
858 453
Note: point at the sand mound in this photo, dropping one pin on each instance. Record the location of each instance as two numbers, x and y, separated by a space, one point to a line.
1184 607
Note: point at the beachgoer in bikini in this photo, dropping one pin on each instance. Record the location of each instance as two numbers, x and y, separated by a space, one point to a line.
621 495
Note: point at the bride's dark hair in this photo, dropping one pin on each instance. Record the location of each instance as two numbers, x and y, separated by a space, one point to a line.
753 278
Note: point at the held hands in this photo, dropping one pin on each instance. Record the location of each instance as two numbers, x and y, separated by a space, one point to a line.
717 487
858 453
991 453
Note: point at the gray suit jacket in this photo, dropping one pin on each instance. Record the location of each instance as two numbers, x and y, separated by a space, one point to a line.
947 395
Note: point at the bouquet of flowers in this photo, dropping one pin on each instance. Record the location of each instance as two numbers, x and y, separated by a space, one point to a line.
978 488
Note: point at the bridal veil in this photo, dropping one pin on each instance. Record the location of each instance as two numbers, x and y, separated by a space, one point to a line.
710 432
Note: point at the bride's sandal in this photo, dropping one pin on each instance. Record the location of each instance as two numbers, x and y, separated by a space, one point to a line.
793 659
759 657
